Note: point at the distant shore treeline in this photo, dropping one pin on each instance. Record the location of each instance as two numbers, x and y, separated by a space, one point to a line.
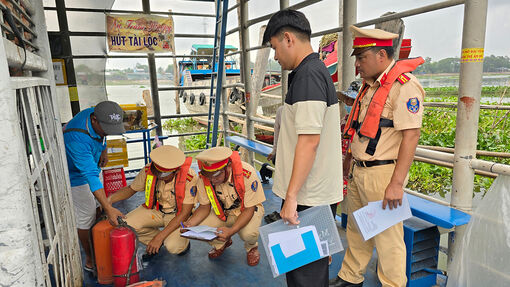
452 65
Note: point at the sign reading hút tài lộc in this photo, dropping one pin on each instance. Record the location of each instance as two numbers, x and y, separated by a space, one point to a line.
139 33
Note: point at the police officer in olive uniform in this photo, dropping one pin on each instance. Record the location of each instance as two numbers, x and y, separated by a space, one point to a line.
170 188
230 196
384 124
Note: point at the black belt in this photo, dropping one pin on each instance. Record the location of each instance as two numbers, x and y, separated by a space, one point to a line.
374 162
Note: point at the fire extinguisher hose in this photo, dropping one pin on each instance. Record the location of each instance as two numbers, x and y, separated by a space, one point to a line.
128 275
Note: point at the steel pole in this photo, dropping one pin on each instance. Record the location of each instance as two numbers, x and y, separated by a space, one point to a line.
245 65
153 78
67 55
349 18
468 109
284 80
339 62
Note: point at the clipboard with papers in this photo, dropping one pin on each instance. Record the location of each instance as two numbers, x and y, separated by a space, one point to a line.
200 232
291 246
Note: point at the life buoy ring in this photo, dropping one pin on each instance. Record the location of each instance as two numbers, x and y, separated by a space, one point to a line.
184 97
201 99
191 99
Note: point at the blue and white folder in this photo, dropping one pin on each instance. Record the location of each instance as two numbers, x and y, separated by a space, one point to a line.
289 247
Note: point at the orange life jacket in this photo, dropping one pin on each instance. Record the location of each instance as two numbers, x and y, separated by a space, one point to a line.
372 123
181 177
237 176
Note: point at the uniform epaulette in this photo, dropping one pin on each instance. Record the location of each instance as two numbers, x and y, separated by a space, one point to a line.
246 173
402 79
189 177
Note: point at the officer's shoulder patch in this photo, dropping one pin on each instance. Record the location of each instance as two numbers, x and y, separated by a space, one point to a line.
254 185
193 191
413 105
246 173
402 79
189 177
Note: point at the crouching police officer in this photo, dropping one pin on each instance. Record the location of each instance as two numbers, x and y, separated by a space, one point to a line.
235 193
170 188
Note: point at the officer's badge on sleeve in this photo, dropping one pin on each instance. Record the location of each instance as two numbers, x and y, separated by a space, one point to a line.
193 191
254 186
413 105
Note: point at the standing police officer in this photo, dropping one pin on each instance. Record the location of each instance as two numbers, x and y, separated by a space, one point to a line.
170 188
385 124
235 193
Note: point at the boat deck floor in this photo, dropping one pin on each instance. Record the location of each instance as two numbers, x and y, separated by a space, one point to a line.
196 269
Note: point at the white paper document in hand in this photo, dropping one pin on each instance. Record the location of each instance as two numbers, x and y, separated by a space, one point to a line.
201 228
201 232
373 219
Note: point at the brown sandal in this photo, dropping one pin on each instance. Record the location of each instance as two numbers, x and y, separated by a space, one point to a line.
214 253
253 256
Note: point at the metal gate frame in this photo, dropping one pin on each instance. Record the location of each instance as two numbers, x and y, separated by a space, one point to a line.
38 238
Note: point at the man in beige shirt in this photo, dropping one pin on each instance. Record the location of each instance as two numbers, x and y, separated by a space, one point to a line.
230 196
170 188
385 124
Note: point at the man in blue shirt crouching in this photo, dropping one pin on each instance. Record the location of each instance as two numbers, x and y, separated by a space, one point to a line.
85 143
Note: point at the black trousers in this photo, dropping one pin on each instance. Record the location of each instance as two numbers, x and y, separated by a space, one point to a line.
312 274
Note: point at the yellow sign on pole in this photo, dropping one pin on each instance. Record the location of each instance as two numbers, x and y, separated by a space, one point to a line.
139 33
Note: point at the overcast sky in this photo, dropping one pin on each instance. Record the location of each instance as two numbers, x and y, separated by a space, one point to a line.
435 34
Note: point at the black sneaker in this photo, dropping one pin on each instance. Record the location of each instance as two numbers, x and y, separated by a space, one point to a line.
339 282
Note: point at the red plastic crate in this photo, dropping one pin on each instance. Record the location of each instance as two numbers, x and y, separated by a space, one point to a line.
114 179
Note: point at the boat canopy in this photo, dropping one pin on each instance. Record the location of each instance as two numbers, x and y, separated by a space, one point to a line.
205 49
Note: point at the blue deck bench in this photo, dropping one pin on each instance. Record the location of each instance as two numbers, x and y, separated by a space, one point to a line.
437 214
250 145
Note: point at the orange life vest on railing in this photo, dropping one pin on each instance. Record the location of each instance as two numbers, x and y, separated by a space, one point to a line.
237 175
372 123
181 177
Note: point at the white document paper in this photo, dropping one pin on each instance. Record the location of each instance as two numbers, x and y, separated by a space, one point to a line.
289 240
201 232
207 235
372 219
201 228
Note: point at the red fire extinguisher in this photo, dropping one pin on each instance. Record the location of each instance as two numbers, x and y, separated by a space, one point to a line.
124 244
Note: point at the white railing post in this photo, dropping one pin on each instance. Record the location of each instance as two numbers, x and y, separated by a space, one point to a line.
468 109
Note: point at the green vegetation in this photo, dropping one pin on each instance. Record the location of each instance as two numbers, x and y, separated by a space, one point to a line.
449 94
189 125
439 130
